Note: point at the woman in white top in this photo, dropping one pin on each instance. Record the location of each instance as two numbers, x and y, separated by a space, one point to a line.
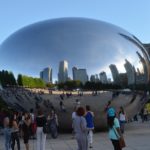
122 119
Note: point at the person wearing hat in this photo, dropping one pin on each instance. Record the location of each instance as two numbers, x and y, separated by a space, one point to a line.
114 128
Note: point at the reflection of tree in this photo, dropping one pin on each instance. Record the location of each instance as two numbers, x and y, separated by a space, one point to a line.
7 78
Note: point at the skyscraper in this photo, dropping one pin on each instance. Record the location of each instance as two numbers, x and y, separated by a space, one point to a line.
131 74
144 71
63 71
115 74
103 77
80 74
93 78
46 75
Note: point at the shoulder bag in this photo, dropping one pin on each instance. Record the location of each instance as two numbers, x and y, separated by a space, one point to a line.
120 138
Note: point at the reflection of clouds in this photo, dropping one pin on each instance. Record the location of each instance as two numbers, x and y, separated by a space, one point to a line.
84 43
121 51
140 67
107 70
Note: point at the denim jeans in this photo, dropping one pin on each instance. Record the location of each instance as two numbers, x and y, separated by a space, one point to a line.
7 136
41 139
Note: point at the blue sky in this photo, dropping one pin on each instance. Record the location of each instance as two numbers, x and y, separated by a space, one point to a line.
132 15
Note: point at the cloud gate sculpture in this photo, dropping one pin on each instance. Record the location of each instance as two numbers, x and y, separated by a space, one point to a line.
85 43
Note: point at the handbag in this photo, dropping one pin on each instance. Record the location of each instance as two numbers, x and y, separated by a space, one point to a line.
45 129
120 138
122 142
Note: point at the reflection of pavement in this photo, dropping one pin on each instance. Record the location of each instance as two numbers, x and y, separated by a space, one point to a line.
137 138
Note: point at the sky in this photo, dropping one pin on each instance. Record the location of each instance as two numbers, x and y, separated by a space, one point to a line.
132 15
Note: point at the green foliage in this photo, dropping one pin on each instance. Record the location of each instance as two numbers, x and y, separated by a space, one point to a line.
50 85
70 85
19 80
30 82
7 78
99 86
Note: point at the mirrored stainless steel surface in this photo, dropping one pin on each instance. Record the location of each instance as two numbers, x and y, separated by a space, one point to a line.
85 43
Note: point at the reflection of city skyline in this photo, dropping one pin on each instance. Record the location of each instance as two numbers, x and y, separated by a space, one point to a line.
131 75
91 45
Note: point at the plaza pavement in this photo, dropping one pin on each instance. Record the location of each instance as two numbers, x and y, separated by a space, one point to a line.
137 137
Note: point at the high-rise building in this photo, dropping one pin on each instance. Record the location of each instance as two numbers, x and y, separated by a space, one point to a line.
46 75
103 77
131 74
63 71
144 73
97 78
109 80
147 47
93 78
80 74
115 74
123 79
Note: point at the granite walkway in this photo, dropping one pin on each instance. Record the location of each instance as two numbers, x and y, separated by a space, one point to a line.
137 137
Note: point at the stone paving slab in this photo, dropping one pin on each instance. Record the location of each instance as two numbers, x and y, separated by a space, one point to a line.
137 137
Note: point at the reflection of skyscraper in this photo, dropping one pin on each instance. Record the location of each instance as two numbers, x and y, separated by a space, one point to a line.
130 70
145 70
147 47
93 78
63 71
103 77
46 75
80 74
115 73
123 79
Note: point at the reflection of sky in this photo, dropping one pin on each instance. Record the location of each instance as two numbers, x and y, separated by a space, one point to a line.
84 43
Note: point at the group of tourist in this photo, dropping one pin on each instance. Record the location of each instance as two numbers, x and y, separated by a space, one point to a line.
83 126
116 123
27 126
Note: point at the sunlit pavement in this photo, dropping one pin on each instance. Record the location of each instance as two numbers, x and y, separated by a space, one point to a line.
137 137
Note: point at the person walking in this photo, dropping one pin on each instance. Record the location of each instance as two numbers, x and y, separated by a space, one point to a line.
80 128
14 133
52 120
26 129
33 123
7 133
90 125
41 136
122 119
114 130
